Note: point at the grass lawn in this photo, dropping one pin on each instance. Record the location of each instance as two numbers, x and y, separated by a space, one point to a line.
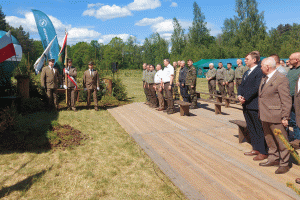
110 165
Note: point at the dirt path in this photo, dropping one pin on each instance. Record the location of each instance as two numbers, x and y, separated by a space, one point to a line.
201 153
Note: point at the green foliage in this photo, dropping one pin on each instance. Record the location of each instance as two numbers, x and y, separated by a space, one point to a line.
23 68
109 101
119 90
177 39
31 105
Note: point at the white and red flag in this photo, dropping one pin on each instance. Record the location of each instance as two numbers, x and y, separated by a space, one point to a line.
7 49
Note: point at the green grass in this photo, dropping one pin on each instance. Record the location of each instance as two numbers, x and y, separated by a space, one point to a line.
110 165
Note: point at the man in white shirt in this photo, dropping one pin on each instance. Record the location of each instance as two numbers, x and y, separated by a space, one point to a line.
168 76
158 87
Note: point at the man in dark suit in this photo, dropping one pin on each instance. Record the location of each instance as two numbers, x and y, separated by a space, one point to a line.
248 96
275 103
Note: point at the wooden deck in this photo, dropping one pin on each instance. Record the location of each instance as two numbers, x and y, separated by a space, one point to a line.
201 154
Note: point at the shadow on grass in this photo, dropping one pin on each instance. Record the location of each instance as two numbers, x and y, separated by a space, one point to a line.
28 133
24 185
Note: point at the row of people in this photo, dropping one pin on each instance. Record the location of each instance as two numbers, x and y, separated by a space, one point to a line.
159 85
270 99
227 78
51 79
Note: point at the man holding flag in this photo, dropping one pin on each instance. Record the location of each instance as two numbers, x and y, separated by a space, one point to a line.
70 84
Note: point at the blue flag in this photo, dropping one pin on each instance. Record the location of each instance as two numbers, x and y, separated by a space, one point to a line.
47 33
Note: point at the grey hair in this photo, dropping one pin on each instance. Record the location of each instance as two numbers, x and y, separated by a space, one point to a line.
211 64
271 62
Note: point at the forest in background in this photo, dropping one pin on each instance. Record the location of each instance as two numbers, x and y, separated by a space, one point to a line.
244 32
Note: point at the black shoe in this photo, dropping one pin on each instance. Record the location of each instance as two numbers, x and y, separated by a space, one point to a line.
167 110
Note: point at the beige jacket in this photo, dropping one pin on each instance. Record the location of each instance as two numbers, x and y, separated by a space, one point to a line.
274 100
49 78
90 81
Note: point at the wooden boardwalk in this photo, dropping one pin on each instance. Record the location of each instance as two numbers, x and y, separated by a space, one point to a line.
201 154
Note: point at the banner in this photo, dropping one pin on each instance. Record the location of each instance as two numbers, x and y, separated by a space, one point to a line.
47 33
39 62
62 56
7 49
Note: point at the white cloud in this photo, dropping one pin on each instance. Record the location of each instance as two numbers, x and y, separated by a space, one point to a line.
166 36
162 25
95 5
108 12
75 34
107 38
144 4
149 21
213 30
173 4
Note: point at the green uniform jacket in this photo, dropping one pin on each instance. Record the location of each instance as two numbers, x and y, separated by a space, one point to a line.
191 76
147 76
211 73
229 76
151 76
144 75
221 74
240 71
176 75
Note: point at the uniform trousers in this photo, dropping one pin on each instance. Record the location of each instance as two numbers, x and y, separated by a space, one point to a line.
238 83
71 97
256 132
94 91
277 150
212 87
160 96
152 95
146 91
52 97
169 96
184 93
230 89
221 87
193 95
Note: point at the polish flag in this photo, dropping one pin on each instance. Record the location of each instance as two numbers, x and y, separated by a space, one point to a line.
7 49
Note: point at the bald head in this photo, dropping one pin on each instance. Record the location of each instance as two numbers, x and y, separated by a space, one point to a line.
239 62
294 59
268 65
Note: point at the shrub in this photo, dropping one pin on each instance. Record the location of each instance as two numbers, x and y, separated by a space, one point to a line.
119 90
109 101
31 105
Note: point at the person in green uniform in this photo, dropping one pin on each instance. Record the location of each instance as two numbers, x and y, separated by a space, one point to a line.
211 78
229 78
190 82
144 82
220 76
239 72
151 84
146 85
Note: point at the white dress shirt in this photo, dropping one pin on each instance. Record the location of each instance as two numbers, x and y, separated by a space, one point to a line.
52 69
158 76
251 69
167 72
270 75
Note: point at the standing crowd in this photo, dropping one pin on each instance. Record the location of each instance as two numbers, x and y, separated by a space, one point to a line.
163 86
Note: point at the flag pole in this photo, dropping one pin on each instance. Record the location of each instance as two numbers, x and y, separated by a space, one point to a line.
66 77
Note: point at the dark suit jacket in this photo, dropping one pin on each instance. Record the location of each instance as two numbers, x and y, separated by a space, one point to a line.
275 101
297 103
249 89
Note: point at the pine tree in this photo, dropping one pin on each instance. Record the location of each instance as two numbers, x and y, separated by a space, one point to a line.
3 24
199 33
177 39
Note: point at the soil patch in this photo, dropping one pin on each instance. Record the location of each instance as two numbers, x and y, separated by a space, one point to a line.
65 136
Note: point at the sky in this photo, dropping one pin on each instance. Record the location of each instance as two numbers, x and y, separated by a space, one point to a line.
87 20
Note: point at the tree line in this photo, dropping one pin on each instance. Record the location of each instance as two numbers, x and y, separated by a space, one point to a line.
244 32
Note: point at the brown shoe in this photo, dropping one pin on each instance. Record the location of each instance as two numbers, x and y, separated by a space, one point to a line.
74 109
260 157
251 153
282 170
297 180
96 109
160 109
268 163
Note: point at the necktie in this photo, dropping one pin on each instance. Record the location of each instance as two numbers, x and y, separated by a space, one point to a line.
265 81
246 74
